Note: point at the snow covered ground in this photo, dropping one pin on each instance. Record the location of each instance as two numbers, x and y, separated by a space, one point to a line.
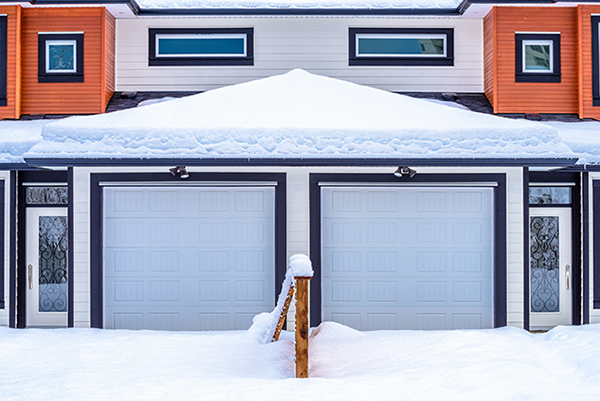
499 364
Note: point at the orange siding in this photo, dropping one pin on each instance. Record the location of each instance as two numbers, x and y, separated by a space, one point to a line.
13 94
587 108
489 56
109 58
62 98
536 97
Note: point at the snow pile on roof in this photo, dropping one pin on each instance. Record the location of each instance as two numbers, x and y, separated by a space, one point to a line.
299 4
17 137
297 115
582 137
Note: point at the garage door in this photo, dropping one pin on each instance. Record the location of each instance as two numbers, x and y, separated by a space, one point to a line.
407 257
196 258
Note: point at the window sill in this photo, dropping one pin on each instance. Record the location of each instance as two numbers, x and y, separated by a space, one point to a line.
533 77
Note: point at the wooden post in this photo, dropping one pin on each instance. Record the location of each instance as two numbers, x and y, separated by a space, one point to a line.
302 326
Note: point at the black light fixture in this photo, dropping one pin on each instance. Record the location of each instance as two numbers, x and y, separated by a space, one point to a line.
405 170
179 170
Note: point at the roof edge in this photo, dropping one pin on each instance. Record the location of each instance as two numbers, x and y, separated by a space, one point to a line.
314 162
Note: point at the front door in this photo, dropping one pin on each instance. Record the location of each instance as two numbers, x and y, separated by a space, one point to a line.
46 259
550 267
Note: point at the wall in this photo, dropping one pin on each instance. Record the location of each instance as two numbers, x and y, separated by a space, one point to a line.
298 223
534 97
587 109
13 62
63 98
108 32
282 43
489 56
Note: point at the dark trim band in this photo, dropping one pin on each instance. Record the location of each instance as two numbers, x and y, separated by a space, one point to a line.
12 272
354 162
526 296
585 245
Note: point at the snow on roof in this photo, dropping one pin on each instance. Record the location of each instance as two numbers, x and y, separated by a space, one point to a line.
582 137
17 137
297 115
299 4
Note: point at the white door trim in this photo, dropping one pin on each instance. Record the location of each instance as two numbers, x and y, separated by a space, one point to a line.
35 318
564 316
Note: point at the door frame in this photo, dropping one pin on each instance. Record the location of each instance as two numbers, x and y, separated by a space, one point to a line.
25 179
499 274
549 178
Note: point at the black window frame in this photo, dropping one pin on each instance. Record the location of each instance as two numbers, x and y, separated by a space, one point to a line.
523 76
154 61
354 60
3 59
595 62
70 76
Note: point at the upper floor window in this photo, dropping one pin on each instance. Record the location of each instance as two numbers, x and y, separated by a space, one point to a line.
60 57
595 61
537 57
3 60
230 46
401 46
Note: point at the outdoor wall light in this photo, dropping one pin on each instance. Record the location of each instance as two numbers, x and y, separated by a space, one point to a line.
181 171
404 170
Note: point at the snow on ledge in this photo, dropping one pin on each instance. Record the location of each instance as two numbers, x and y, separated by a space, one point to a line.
297 115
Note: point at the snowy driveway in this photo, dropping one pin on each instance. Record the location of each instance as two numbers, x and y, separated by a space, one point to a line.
501 364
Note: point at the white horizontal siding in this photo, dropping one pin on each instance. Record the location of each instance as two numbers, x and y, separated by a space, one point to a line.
316 44
298 223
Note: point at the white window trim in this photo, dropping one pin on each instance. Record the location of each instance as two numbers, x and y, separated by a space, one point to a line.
549 43
401 36
207 36
61 42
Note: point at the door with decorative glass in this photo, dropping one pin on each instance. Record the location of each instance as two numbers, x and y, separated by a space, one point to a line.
550 269
46 259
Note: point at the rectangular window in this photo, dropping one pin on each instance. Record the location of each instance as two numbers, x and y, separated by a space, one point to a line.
60 57
537 57
595 61
401 46
201 47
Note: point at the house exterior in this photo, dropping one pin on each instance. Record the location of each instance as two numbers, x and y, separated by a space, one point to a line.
468 242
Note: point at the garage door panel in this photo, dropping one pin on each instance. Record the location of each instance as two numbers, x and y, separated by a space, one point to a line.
414 318
201 270
425 262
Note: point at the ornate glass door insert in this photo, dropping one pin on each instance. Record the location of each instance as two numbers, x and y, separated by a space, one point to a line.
550 267
544 264
52 264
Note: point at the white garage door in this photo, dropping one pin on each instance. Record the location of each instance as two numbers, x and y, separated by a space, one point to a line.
407 257
196 258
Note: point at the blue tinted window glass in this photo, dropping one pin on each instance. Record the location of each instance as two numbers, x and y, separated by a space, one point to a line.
200 46
61 57
400 46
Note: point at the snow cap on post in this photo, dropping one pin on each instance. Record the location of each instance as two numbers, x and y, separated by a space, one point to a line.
300 266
